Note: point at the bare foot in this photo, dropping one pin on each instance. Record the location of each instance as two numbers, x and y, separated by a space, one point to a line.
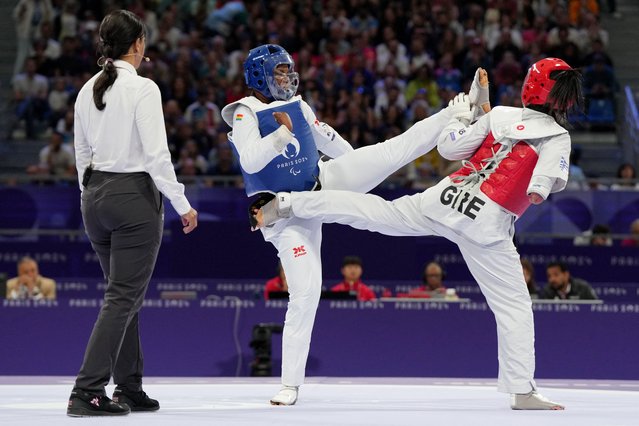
483 82
259 218
483 77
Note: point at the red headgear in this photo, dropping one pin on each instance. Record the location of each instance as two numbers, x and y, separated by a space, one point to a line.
538 81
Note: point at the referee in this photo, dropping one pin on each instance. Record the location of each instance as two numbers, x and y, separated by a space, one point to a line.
122 160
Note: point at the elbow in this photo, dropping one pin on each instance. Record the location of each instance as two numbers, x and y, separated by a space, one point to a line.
443 152
446 147
250 167
447 152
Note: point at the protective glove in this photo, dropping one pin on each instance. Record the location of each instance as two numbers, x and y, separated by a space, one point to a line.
460 108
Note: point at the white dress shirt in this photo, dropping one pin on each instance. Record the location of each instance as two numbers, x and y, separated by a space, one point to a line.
128 135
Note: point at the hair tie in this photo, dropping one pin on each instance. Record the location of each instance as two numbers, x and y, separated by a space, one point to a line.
102 61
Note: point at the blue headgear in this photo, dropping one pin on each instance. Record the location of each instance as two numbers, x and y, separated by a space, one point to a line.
260 73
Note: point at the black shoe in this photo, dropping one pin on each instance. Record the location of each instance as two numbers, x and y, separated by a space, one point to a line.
85 404
137 401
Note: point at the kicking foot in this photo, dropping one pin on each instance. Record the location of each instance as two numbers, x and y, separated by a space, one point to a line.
276 209
533 401
286 396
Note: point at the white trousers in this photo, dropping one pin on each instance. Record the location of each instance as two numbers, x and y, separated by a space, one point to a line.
298 240
495 267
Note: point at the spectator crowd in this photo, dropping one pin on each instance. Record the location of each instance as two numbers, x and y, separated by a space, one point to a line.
369 68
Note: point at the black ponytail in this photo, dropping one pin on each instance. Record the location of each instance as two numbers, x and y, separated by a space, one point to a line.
566 94
118 31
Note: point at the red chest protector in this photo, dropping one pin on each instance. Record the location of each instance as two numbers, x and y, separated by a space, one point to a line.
507 185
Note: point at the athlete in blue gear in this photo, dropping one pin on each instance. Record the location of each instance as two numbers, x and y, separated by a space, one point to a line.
276 137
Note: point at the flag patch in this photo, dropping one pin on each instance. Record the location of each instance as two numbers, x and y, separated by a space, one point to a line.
239 117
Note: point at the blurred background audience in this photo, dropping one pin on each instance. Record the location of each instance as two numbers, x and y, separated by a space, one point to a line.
369 68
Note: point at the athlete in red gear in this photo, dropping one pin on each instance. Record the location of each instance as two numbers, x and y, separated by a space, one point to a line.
512 157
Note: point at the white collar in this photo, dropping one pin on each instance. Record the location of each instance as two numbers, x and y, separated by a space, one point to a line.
119 63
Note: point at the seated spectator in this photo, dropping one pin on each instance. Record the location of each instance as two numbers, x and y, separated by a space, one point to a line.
576 8
391 51
505 44
599 235
597 52
576 176
29 284
562 22
419 54
529 277
44 66
508 71
566 48
352 273
432 282
205 110
58 99
64 126
52 48
226 163
71 62
56 159
627 178
277 283
30 95
191 162
447 76
223 19
425 83
425 169
633 241
561 285
475 57
388 98
599 80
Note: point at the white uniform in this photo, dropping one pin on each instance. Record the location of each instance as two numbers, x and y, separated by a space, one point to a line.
298 240
464 214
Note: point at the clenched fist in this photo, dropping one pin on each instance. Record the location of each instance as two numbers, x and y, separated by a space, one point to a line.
285 119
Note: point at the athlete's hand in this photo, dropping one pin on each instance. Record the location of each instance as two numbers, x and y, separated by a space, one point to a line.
460 108
285 119
535 198
189 221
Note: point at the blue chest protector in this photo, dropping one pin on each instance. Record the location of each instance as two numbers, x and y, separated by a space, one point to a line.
296 168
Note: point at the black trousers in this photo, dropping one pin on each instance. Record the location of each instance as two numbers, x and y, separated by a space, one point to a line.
123 217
